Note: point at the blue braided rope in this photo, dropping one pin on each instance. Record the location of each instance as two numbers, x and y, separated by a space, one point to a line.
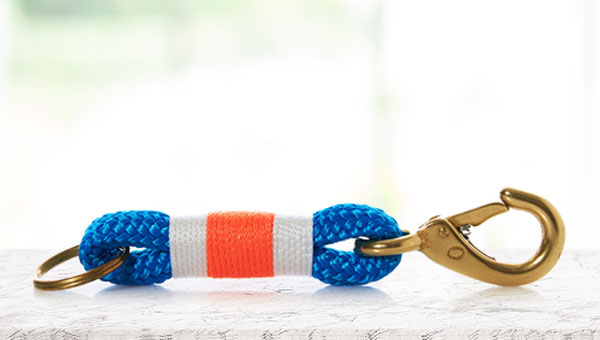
140 229
150 230
344 221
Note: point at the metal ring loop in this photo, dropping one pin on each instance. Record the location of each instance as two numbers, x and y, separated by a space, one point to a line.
77 280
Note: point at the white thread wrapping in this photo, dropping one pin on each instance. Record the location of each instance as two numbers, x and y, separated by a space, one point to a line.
187 241
292 245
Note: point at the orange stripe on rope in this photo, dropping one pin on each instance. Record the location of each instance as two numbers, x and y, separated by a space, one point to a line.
239 244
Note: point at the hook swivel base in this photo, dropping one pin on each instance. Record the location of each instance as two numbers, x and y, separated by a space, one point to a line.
445 241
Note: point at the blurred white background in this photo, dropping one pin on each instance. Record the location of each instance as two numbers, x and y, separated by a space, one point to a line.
417 107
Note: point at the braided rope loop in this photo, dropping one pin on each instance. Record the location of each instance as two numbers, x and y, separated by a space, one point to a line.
149 230
344 221
141 229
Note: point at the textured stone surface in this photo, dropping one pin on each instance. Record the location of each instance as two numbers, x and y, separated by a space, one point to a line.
420 300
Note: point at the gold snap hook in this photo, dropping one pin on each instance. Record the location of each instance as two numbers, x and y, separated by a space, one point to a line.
445 241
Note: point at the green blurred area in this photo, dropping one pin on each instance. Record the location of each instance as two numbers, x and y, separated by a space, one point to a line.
93 41
62 51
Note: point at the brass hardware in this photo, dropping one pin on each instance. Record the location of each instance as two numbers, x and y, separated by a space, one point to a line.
456 253
77 280
444 232
445 241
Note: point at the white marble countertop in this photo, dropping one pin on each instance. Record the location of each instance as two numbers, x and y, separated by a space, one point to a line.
420 300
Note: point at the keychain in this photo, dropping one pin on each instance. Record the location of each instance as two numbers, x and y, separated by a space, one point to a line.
256 244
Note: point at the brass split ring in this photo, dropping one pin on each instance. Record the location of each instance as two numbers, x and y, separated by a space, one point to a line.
77 280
